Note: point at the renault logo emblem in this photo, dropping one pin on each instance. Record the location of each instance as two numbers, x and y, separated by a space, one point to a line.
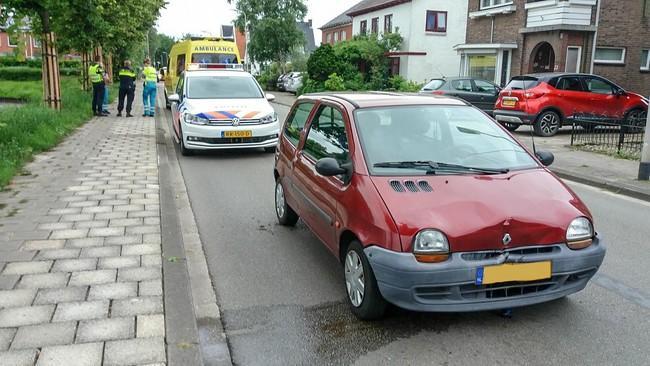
506 239
235 121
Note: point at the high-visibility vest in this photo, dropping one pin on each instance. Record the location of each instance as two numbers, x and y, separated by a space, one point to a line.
95 73
127 72
150 74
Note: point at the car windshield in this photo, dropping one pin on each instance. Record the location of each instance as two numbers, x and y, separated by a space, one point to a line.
434 84
222 87
417 140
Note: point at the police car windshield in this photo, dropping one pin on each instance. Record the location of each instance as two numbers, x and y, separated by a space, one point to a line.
222 87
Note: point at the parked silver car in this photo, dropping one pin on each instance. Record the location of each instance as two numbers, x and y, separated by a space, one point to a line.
293 82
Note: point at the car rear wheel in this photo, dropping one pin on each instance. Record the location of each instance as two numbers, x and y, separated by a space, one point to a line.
547 124
634 119
364 297
512 127
286 215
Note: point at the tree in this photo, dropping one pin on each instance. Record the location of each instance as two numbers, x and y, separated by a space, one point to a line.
272 27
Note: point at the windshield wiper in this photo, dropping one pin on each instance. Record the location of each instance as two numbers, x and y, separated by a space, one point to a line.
432 167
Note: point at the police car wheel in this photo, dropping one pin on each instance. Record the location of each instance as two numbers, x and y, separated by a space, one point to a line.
184 150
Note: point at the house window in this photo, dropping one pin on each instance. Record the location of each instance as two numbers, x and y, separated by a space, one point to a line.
645 60
388 23
482 66
494 3
436 21
336 37
363 27
374 25
13 40
344 35
328 38
610 55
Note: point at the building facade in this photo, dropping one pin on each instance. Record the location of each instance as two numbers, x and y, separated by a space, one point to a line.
9 44
512 37
430 29
337 30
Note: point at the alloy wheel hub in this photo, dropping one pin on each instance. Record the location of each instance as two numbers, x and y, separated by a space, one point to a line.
354 278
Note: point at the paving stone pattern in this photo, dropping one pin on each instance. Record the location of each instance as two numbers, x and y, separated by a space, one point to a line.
80 251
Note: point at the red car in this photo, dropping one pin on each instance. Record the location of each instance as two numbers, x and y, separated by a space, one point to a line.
547 100
426 201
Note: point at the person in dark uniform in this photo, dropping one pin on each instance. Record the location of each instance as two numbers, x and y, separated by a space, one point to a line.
96 76
127 88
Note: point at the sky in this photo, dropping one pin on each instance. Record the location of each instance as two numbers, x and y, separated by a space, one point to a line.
206 16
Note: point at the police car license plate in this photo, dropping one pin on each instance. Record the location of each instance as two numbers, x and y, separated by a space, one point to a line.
237 134
513 272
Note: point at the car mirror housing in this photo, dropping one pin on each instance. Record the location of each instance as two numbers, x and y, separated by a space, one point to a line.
545 157
329 167
174 98
270 97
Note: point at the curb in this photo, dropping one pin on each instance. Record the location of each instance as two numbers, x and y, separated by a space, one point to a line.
209 340
614 187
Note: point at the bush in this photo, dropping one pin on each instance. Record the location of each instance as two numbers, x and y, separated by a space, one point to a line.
21 73
13 61
334 83
398 83
310 86
322 63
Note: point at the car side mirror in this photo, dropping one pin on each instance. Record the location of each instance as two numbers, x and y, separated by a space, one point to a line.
620 93
546 157
174 98
329 167
270 97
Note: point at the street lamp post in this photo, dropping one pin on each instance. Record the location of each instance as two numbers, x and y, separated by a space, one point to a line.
644 165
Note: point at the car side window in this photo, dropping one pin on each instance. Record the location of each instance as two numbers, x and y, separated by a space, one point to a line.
598 86
179 86
462 85
327 137
296 122
571 83
180 64
485 87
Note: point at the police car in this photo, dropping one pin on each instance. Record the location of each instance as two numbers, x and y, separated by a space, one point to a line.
220 106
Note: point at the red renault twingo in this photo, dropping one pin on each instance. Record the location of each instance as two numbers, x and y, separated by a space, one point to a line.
430 205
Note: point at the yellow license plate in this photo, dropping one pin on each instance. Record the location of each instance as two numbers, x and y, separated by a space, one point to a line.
509 102
242 133
513 272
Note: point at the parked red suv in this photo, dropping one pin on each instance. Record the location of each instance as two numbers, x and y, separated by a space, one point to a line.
547 100
426 201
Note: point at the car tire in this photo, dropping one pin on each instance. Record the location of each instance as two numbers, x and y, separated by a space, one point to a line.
286 215
181 143
366 303
634 119
547 124
512 127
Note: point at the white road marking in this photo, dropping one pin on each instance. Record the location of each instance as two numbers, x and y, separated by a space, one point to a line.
573 184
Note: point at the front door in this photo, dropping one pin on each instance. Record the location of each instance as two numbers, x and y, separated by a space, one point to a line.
326 137
603 99
487 94
573 59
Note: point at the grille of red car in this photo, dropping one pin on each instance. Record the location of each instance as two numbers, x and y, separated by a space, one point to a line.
411 186
480 256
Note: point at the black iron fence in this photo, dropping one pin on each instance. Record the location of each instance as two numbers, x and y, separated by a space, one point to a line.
622 137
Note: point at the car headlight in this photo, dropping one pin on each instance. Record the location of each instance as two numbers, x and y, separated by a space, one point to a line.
579 234
195 120
430 246
270 118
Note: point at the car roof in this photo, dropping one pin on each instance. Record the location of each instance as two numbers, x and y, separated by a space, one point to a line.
549 75
192 73
381 99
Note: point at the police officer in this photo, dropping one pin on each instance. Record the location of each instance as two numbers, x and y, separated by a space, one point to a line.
96 75
127 89
149 92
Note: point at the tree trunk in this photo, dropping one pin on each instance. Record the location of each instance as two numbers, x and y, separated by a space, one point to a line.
85 64
51 76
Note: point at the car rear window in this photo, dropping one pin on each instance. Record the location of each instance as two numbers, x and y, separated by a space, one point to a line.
434 84
522 82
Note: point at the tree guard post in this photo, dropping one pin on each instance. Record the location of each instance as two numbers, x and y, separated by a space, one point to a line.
51 77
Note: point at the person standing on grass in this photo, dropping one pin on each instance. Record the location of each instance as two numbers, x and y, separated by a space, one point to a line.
96 76
149 92
127 89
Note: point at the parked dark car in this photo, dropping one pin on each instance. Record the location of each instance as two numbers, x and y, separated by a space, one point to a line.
547 101
480 93
426 202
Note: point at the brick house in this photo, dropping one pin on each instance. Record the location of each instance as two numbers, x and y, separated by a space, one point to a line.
338 29
512 37
9 43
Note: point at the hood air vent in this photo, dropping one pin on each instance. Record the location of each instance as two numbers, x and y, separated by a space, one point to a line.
410 186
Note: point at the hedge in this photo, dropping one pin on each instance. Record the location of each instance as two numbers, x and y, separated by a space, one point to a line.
36 63
20 73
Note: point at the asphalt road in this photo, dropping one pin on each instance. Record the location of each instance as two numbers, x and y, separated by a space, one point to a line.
282 295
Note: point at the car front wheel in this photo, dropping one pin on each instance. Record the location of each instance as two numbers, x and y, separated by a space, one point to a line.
547 124
184 150
364 297
286 215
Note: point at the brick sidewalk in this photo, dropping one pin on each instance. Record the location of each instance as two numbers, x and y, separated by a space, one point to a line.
80 251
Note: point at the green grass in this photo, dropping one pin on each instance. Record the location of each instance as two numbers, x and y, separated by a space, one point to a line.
30 129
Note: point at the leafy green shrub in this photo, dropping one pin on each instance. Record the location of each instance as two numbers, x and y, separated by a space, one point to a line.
70 64
20 73
334 83
322 63
398 83
310 86
13 61
70 71
356 83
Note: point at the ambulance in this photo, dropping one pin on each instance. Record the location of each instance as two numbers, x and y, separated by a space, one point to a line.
198 50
